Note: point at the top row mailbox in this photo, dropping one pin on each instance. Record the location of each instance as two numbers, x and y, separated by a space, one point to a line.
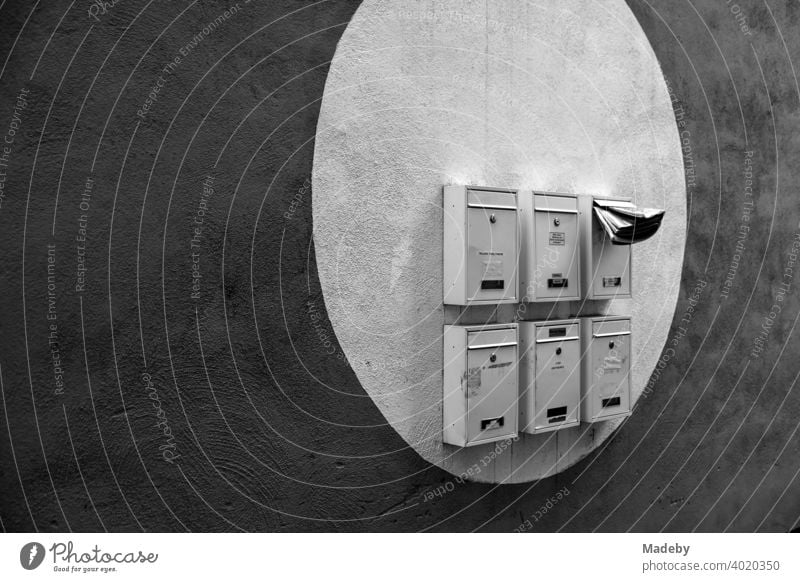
509 246
481 245
606 267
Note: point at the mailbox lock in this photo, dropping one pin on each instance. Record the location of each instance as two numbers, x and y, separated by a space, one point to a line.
493 358
556 221
492 218
611 345
558 351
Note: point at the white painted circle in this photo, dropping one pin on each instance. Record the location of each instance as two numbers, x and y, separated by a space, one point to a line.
563 96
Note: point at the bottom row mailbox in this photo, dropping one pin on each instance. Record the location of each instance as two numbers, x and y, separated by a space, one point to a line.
533 377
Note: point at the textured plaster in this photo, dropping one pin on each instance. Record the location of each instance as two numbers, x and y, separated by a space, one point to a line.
567 97
275 431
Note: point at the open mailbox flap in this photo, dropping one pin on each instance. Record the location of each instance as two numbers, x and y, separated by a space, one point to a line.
626 224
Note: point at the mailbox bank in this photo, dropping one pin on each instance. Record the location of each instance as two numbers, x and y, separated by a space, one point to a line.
505 246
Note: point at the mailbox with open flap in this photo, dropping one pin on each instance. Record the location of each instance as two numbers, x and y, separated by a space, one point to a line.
610 227
626 224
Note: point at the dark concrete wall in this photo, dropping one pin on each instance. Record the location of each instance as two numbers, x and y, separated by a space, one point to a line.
267 427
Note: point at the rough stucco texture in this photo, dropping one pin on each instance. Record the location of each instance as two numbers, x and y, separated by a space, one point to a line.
565 98
273 428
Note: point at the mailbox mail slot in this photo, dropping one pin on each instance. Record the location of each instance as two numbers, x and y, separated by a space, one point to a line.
606 267
481 245
480 389
606 392
550 250
550 378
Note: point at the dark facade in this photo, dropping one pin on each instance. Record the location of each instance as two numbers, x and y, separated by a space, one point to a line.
166 361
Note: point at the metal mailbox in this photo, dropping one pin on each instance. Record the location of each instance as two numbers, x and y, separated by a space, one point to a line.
481 245
550 252
480 389
606 267
550 378
606 367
